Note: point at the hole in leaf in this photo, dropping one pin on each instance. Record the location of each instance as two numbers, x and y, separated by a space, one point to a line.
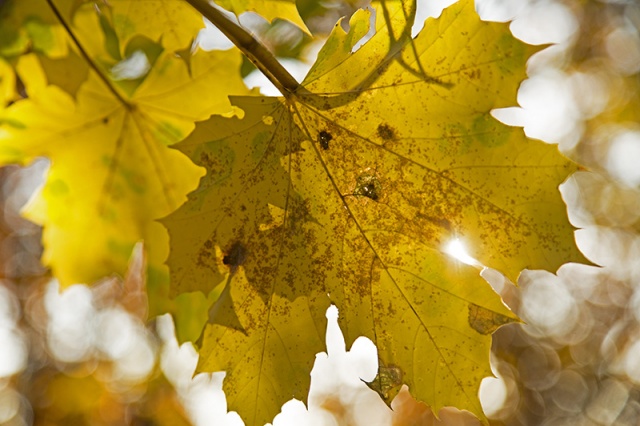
368 186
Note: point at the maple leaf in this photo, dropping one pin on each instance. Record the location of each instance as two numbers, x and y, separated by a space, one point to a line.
347 191
108 135
268 9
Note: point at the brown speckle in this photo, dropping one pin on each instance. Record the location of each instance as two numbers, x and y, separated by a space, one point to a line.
386 132
235 256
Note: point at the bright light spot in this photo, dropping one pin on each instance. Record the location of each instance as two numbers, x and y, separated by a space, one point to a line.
493 395
623 158
590 92
631 362
135 66
117 332
211 38
70 333
295 412
623 48
13 346
123 339
137 364
500 10
428 9
548 111
547 304
202 395
457 249
337 380
545 22
334 338
9 308
297 69
13 356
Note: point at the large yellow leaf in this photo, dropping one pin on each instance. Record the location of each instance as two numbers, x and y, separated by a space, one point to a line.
350 194
112 172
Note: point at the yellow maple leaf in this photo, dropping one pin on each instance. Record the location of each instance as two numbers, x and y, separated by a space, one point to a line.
348 190
112 172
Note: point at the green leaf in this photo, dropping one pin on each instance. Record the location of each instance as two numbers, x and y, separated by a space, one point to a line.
350 195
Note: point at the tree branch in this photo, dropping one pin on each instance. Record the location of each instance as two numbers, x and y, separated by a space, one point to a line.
250 47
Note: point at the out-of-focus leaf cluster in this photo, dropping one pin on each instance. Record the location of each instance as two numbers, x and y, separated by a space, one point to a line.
81 357
575 361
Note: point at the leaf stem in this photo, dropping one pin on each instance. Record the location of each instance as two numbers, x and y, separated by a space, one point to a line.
257 53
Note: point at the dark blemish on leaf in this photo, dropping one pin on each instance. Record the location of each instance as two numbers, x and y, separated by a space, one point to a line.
105 120
485 321
324 138
368 186
386 132
236 256
474 74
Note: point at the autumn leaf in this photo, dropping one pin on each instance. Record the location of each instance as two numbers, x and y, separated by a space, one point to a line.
107 133
347 191
268 9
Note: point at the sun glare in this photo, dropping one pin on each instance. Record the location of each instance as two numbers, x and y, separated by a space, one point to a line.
457 249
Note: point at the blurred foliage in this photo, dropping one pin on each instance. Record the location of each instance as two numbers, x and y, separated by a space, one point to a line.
580 365
89 389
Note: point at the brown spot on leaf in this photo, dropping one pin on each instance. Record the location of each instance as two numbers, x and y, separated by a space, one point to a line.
235 256
386 132
324 138
485 321
474 74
